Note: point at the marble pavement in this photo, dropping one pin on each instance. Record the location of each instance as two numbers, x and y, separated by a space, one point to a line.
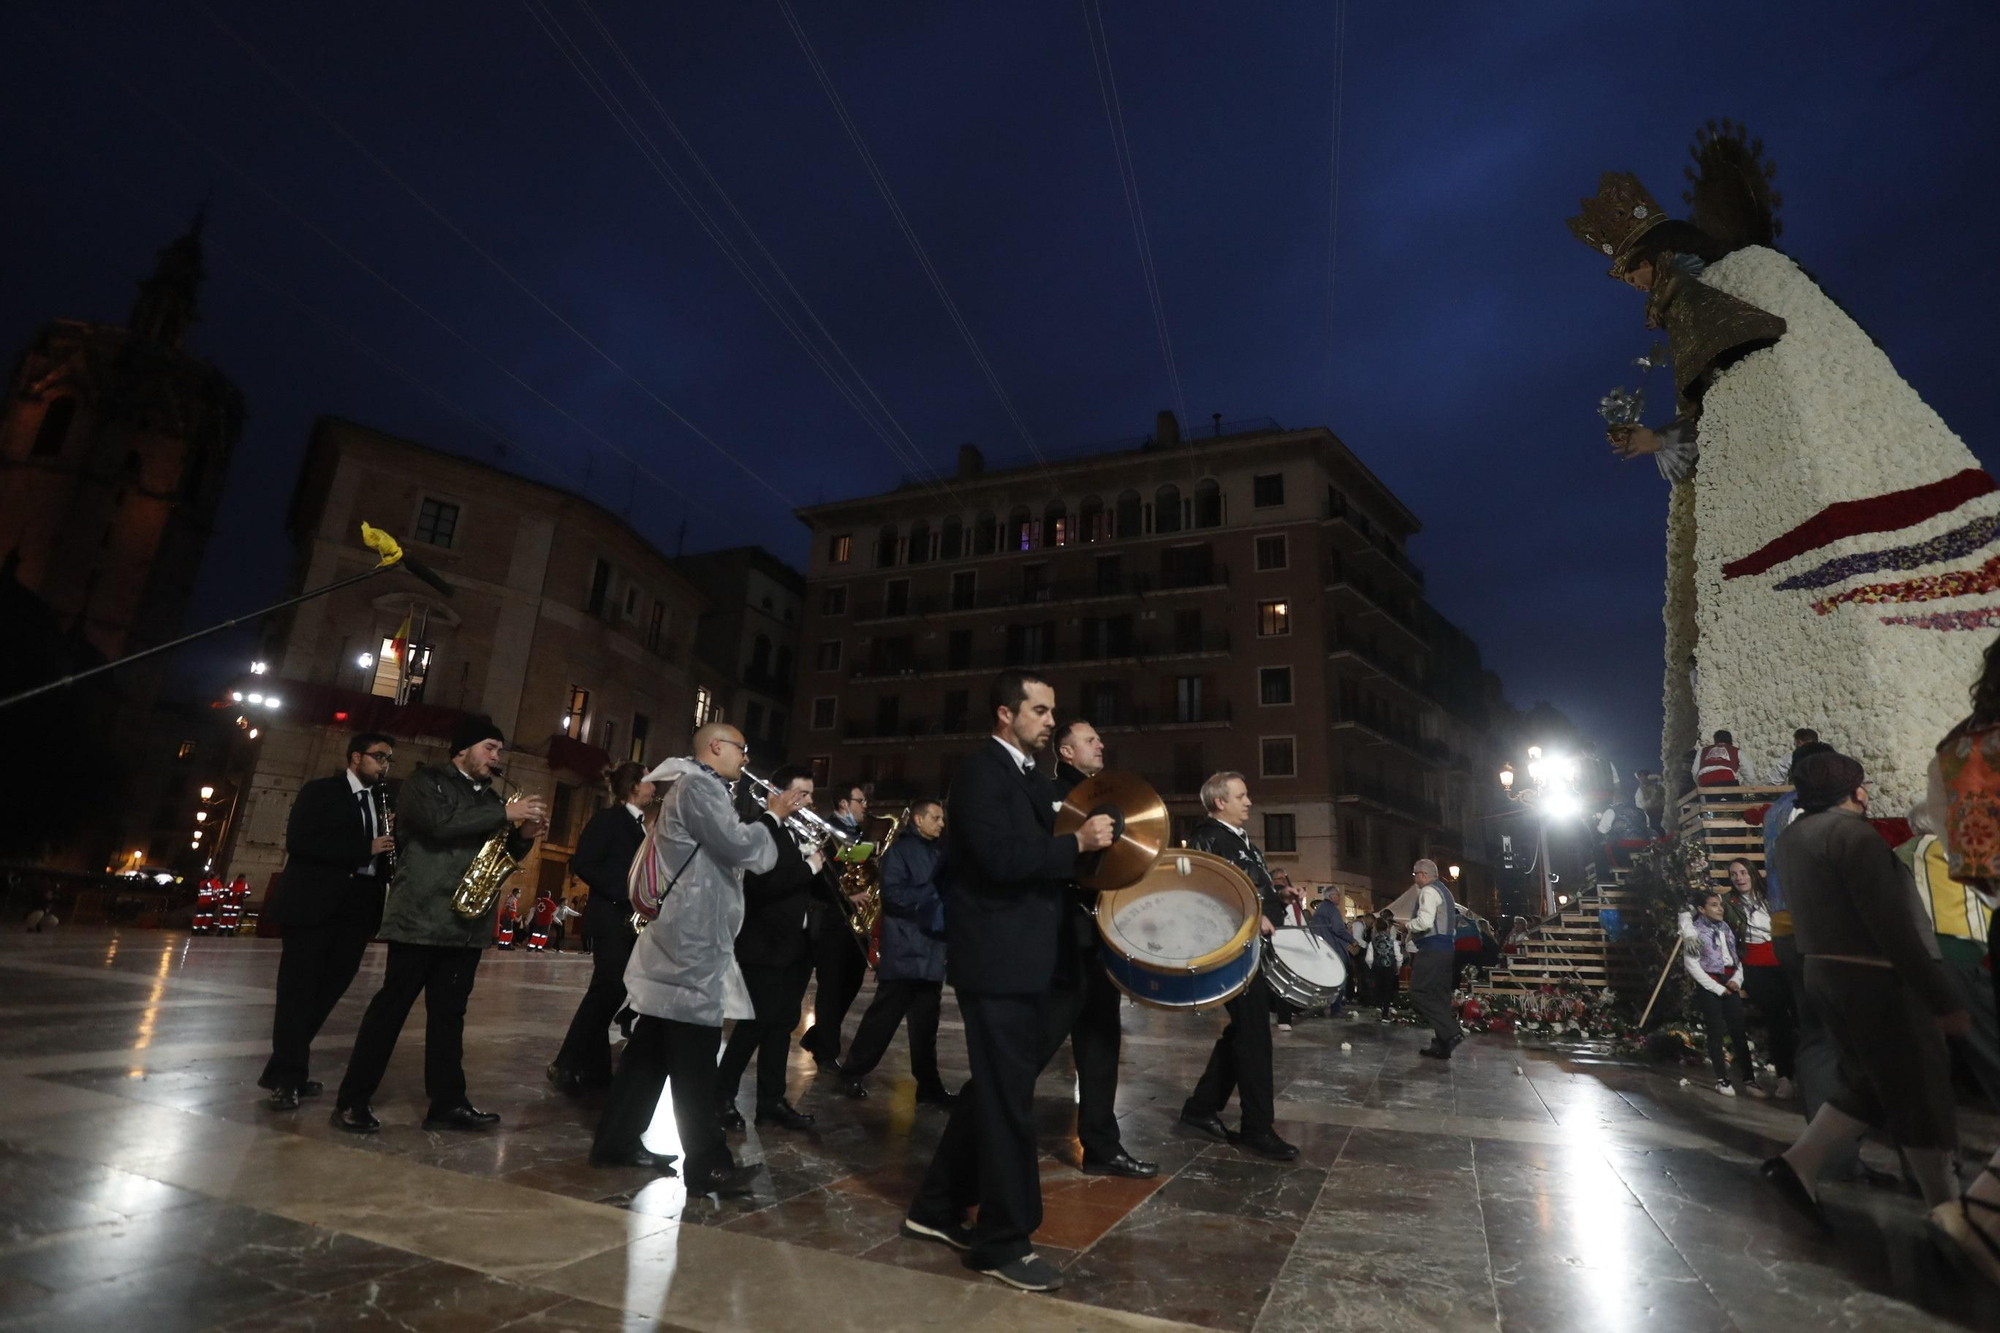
144 1187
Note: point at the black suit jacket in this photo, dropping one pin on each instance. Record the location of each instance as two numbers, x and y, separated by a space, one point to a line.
774 907
1082 925
604 853
1212 835
325 842
1006 876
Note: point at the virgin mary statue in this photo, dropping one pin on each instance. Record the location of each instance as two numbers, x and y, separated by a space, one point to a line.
1831 544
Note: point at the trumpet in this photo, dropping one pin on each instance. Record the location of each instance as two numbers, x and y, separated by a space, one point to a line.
806 826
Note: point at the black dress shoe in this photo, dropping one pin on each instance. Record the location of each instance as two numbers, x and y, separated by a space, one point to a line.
730 1117
1266 1143
284 1099
855 1090
1121 1163
465 1116
937 1097
312 1087
563 1081
1794 1192
729 1181
1211 1125
1436 1052
785 1114
663 1162
810 1043
355 1119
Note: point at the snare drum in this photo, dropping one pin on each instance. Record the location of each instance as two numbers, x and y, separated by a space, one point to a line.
1185 936
1302 968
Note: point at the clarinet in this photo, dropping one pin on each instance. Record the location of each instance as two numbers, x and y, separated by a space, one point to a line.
384 823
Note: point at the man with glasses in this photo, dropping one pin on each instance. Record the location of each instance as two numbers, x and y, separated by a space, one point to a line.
329 904
838 959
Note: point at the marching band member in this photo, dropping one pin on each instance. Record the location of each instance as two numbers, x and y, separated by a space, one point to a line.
771 948
838 959
683 979
1086 1002
603 859
1006 874
1241 1060
329 904
444 815
909 978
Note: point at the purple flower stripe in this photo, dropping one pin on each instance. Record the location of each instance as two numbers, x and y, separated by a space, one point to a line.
1973 536
1981 617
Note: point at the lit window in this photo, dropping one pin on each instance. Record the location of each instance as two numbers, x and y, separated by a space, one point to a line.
389 678
840 549
575 716
1274 618
437 522
706 710
641 727
186 751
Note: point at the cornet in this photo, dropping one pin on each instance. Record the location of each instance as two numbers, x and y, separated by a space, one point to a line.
805 825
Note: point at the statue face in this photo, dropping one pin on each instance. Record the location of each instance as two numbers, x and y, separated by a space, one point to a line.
1639 276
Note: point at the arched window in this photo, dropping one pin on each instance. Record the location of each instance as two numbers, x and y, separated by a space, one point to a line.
1090 520
885 546
1167 508
54 429
1128 523
985 535
920 542
951 539
1020 530
1208 505
760 655
1055 525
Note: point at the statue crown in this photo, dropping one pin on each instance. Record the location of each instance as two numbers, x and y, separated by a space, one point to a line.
1618 216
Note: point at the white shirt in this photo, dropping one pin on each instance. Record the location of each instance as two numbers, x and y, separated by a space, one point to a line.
1423 921
357 786
637 813
1021 760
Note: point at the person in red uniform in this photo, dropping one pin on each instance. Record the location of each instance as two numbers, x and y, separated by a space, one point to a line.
510 920
204 906
545 916
1719 762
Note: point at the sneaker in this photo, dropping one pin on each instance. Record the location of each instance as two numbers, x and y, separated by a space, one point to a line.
1783 1090
1030 1272
1284 1027
1725 1087
955 1234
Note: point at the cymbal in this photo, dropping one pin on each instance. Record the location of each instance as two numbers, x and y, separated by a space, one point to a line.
1145 828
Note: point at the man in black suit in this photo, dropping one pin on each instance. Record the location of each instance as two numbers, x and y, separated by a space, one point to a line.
602 860
837 957
1006 875
1241 1060
329 905
1085 1011
771 950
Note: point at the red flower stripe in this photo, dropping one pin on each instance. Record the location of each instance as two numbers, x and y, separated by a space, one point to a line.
1877 513
1956 583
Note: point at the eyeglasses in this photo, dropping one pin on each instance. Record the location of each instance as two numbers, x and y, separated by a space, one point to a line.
383 759
738 744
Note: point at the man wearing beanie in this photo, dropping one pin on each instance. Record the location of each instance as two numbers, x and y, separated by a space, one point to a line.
444 814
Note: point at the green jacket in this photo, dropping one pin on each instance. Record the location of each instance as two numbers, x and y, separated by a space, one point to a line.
442 820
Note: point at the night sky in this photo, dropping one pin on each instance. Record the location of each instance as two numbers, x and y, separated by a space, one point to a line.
1458 341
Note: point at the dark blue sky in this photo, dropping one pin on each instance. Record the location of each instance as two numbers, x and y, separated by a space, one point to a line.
1468 341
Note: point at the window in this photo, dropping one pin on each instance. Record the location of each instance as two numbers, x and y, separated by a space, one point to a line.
1187 699
957 710
1056 530
1034 583
607 737
390 680
827 658
958 650
1208 505
1103 700
1189 769
656 625
49 436
1020 530
760 656
964 590
437 522
1268 490
1277 758
1274 686
888 714
951 539
885 547
1110 575
985 535
1167 509
822 714
1187 566
186 750
822 769
1271 552
706 709
1274 618
576 712
1090 516
1281 833
1128 524
896 598
631 602
600 584
839 549
920 542
1187 631
753 720
1353 845
1029 645
833 601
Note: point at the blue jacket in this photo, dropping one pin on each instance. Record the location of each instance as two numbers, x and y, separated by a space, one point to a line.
912 910
1329 925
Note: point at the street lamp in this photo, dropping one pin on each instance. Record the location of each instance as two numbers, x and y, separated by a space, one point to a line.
1549 793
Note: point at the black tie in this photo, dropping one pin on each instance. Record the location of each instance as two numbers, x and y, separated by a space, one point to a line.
367 814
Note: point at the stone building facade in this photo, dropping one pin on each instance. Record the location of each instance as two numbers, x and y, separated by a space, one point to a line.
747 645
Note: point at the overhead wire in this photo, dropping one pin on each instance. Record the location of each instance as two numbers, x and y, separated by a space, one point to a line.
882 187
614 106
1333 203
493 262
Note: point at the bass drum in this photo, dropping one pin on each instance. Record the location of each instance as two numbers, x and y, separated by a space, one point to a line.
1303 969
1185 936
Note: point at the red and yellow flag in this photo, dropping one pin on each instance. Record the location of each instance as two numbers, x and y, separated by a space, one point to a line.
400 645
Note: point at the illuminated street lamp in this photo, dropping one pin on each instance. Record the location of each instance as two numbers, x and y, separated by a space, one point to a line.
1549 792
365 661
208 793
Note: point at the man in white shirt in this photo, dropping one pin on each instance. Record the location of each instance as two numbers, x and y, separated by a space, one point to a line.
1434 934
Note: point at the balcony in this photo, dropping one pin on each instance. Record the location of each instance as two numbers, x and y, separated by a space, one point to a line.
1205 579
1139 648
1396 800
1129 717
1335 508
1335 576
1380 665
1380 726
768 682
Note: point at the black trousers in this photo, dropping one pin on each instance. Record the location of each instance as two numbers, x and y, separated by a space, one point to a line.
664 1051
896 1000
1720 1014
314 971
839 965
1768 989
1086 1016
1240 1063
586 1051
1383 983
987 1155
1430 991
776 993
443 975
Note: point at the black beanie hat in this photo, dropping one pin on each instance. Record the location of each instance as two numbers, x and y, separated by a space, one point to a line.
1825 780
471 731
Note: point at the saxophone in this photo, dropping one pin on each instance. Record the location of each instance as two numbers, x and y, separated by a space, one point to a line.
491 866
